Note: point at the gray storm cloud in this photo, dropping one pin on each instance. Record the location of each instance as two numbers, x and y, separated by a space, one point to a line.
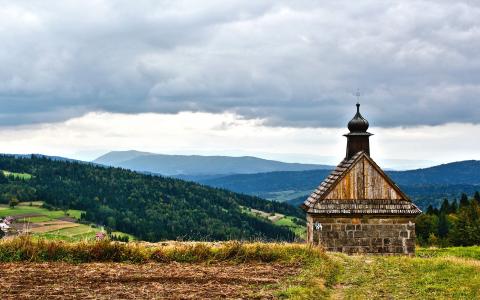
293 63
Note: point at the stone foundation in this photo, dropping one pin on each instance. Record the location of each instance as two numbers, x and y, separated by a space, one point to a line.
384 235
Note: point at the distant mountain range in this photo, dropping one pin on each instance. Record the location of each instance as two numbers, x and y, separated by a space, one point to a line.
183 166
464 172
425 186
292 182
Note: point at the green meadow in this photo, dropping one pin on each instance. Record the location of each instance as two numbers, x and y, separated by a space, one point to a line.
445 276
288 221
462 252
35 209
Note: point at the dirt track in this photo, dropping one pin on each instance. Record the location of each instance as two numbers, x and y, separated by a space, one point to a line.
147 281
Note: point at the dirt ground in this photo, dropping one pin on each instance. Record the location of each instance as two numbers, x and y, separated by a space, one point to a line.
146 281
40 227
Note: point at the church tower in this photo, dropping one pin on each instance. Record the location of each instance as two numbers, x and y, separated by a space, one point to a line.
358 137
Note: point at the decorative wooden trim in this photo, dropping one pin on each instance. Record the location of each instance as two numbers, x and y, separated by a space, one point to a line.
337 175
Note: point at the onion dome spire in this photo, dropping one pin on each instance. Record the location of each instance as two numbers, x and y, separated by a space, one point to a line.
358 137
358 123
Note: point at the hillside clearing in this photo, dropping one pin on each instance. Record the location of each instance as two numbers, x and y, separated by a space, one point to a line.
52 224
24 210
24 176
292 223
77 233
41 227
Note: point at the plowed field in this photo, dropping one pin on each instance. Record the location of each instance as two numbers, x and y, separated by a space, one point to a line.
145 281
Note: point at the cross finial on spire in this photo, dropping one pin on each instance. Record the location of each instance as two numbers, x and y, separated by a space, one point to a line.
357 94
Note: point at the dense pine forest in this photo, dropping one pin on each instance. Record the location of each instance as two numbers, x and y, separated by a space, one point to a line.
453 224
150 207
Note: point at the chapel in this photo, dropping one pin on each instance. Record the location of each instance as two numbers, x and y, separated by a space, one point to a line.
358 208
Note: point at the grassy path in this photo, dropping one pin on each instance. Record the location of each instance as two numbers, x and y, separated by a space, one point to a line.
369 277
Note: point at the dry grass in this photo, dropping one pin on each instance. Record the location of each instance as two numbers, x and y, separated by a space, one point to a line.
29 249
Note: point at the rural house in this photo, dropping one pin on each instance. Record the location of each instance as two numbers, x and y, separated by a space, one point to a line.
358 208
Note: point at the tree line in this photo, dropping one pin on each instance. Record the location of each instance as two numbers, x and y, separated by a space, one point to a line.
452 224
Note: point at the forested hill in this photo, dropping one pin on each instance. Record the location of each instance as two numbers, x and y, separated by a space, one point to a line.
150 207
461 172
264 183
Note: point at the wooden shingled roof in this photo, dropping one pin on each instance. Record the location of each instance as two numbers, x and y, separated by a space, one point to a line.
324 201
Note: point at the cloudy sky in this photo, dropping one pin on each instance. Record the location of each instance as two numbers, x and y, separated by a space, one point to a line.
273 79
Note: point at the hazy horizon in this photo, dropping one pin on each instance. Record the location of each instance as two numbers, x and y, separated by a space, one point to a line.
388 164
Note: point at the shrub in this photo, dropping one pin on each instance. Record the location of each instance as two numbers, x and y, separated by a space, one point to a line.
13 202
